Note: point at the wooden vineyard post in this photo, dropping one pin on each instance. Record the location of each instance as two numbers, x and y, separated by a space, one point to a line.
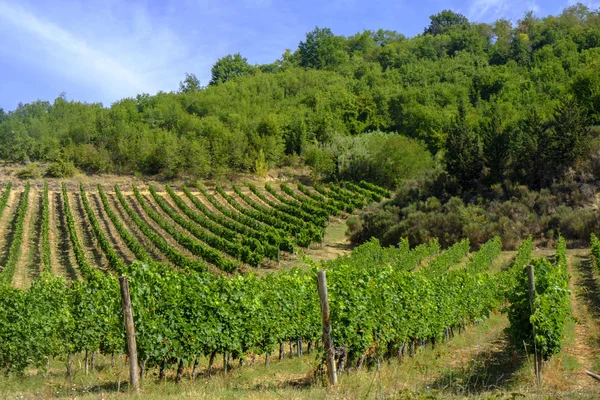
327 342
537 356
130 332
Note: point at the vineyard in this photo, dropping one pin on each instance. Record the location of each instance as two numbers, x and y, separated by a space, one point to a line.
192 253
76 230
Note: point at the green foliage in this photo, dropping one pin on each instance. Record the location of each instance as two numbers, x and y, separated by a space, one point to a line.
595 249
321 50
6 275
321 101
46 261
463 158
228 68
190 84
444 21
31 171
61 169
549 312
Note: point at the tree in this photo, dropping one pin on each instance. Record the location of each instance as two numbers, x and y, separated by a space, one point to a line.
3 115
496 146
322 50
570 133
442 22
463 155
229 67
190 84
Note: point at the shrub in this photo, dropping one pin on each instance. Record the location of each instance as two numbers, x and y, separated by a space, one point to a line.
31 171
61 169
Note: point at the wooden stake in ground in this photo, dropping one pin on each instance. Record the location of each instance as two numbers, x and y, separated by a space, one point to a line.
537 356
327 342
130 332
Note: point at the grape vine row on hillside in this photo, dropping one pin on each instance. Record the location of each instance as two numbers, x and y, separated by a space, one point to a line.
15 247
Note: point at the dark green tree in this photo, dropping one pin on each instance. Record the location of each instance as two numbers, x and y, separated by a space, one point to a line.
463 158
321 50
496 147
229 67
442 22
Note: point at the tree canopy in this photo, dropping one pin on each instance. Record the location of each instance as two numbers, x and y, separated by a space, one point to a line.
529 92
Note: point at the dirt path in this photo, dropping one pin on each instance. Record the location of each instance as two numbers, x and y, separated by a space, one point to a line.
109 230
94 253
134 230
585 307
28 251
60 240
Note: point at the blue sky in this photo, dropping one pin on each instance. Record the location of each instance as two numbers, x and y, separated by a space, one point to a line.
105 50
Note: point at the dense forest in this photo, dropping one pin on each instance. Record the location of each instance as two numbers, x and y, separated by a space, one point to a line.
483 129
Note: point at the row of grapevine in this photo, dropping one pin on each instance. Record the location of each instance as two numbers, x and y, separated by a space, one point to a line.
46 229
290 219
375 189
338 205
290 210
366 193
182 315
224 227
4 198
172 254
595 248
382 308
337 193
208 254
280 237
330 209
304 206
15 247
235 250
451 256
486 254
130 241
550 311
84 267
114 261
282 226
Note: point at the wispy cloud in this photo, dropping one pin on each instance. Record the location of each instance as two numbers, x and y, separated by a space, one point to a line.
486 10
119 57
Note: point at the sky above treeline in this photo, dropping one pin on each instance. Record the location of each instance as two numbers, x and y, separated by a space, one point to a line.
106 50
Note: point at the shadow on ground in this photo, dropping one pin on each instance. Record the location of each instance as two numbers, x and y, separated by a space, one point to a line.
488 371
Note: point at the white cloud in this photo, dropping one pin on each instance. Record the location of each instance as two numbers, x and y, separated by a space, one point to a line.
114 56
491 10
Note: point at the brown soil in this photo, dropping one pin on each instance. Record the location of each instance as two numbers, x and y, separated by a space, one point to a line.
6 228
65 263
90 246
134 230
29 245
110 231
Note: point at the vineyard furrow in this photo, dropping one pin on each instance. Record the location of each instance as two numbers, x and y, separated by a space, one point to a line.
176 257
28 265
14 253
85 269
248 232
134 204
234 249
129 225
199 249
110 231
5 225
94 255
64 262
45 248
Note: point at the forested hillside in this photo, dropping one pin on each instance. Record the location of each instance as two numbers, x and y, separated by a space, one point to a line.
465 108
